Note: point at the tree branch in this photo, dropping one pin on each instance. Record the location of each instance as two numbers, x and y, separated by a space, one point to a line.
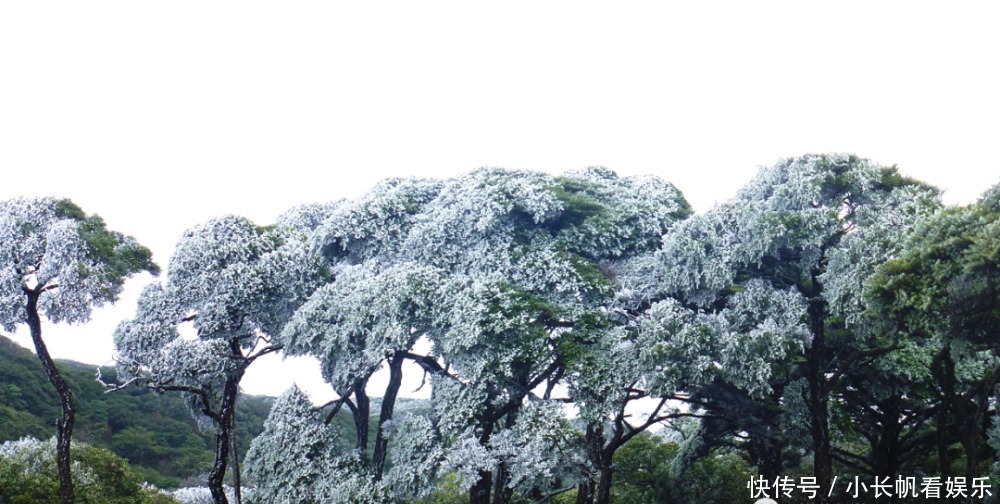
263 352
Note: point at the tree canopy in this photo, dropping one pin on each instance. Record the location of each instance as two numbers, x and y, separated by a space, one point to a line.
584 337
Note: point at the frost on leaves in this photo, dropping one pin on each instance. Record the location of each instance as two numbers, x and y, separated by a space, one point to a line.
72 259
236 284
293 454
58 262
295 459
780 268
369 312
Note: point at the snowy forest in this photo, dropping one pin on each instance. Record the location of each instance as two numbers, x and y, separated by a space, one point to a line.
825 335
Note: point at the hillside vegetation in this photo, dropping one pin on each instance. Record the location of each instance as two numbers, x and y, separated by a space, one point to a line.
156 433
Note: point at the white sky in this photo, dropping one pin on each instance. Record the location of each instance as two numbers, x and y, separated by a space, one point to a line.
161 115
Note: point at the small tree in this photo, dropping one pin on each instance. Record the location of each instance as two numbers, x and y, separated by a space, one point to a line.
59 262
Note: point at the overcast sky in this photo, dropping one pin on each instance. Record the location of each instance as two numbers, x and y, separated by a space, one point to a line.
161 115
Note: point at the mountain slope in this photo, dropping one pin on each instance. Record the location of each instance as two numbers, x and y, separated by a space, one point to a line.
154 432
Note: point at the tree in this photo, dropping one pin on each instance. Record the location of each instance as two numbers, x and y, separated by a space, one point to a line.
811 229
888 408
371 310
942 294
715 360
368 317
647 476
502 272
59 262
294 459
236 284
530 262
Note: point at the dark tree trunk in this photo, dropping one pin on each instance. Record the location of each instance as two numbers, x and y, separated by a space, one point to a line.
943 369
978 420
385 415
226 421
361 412
765 452
64 431
817 395
502 494
480 492
586 490
596 489
886 450
237 477
604 483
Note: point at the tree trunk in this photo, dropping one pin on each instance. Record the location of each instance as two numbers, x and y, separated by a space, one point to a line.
502 493
765 452
601 455
886 449
224 431
943 369
975 433
385 415
817 398
480 492
586 490
64 430
361 412
604 483
237 477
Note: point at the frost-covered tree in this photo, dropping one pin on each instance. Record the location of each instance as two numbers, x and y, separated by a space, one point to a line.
616 220
368 317
373 307
502 271
236 284
294 454
801 238
59 262
888 410
660 354
530 261
296 460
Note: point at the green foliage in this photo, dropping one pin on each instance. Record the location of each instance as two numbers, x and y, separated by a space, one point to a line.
644 475
448 491
578 203
154 432
946 283
941 297
756 314
119 256
28 475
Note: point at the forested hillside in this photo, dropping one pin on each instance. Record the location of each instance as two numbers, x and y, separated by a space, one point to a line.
156 433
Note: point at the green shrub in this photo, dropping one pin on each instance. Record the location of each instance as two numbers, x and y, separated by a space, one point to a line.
28 475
